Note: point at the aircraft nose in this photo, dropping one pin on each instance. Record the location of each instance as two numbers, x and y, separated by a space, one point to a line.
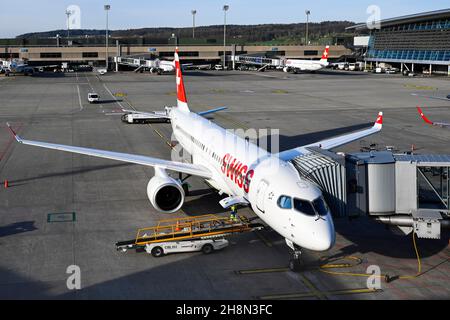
325 241
325 236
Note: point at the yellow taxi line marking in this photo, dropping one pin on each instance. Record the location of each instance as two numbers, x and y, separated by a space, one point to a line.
309 294
316 292
263 239
262 270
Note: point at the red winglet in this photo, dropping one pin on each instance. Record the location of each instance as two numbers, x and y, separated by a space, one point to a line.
423 116
13 133
11 129
379 118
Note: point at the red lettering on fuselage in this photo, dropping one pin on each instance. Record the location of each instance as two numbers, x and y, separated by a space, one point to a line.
236 171
224 162
248 179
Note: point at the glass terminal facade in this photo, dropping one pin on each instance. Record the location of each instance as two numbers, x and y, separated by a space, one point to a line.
426 42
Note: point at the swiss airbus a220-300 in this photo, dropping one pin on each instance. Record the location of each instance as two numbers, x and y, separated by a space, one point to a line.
250 175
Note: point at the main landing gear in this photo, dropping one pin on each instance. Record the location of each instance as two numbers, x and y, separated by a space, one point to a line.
295 263
184 184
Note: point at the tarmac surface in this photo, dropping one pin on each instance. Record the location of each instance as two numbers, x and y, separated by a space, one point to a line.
93 203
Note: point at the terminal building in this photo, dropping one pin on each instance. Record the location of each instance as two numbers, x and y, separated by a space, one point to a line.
418 43
95 55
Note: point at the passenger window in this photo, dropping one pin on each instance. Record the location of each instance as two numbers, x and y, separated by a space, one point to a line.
285 202
304 206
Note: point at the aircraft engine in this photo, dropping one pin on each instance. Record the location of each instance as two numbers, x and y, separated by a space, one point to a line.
165 193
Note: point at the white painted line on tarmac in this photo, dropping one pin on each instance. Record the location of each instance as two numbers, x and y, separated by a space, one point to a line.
117 101
79 97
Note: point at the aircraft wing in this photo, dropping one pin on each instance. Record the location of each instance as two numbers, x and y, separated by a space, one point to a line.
425 118
430 97
187 168
334 142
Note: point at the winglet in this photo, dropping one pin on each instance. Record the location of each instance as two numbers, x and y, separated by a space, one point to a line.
379 122
14 133
423 116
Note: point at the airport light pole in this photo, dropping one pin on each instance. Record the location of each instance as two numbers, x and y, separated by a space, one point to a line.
308 12
176 39
107 8
68 14
225 9
194 12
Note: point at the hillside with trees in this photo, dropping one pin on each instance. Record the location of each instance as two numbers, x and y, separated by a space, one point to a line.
238 34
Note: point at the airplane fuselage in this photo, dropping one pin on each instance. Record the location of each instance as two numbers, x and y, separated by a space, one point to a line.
241 168
305 65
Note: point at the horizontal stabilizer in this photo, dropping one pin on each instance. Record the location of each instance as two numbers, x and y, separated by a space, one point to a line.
204 113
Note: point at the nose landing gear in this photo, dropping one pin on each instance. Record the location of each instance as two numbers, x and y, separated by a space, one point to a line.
295 263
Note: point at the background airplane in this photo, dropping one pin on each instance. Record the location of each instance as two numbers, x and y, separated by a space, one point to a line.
295 65
447 98
425 118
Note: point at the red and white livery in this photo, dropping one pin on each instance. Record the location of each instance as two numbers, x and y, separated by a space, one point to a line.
296 65
248 174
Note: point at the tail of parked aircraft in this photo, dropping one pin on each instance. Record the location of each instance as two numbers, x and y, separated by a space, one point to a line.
325 54
181 93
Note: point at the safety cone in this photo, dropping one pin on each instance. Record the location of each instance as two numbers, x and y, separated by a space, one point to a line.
177 228
6 184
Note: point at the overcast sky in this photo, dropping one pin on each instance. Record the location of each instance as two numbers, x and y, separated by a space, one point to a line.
43 15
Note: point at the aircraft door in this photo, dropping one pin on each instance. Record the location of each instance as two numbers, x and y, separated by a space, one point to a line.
260 195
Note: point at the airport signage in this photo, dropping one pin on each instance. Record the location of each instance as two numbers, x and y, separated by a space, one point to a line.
23 50
151 49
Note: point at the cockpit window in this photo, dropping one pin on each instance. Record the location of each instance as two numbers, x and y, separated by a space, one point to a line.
285 202
321 206
304 206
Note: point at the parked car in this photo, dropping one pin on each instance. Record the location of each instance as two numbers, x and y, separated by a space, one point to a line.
220 67
92 97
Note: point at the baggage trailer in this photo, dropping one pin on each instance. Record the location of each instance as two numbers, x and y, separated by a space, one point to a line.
203 233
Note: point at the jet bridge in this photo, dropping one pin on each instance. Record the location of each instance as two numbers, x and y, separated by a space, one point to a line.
139 63
411 192
258 61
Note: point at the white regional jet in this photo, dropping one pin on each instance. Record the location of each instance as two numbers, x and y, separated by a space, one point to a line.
295 65
268 183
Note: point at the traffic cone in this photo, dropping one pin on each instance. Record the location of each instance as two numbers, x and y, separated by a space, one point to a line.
6 184
177 228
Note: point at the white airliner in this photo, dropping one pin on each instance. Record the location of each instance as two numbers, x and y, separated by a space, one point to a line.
295 65
268 183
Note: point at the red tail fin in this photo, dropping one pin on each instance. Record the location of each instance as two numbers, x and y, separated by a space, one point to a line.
181 93
325 53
